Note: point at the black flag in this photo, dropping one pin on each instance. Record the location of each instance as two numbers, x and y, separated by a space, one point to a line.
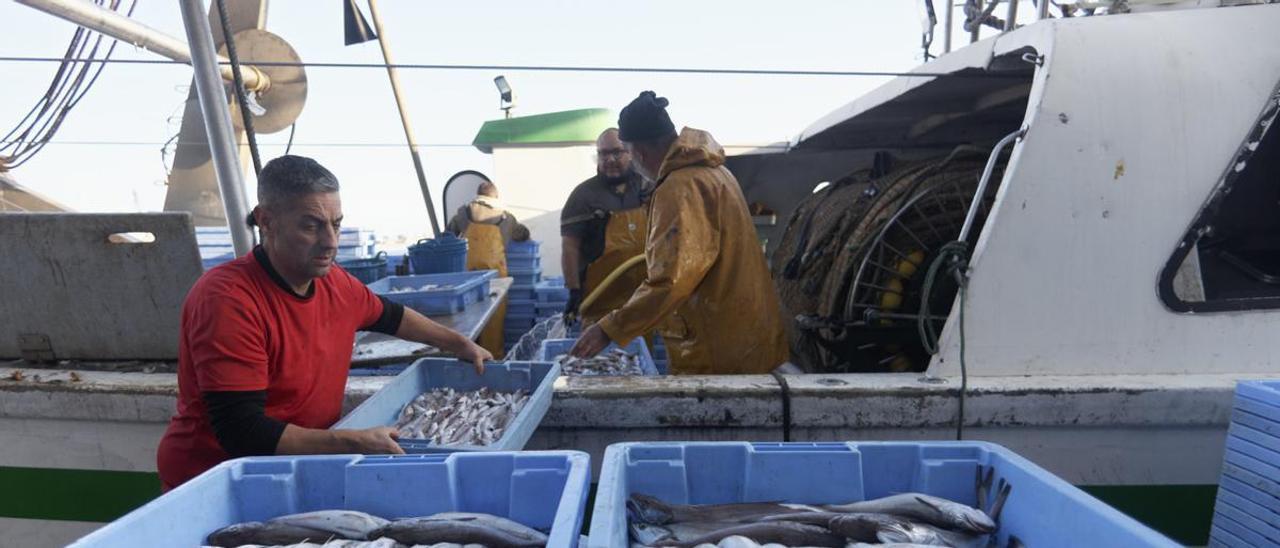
353 23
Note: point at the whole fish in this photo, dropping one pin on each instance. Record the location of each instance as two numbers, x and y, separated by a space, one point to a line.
256 532
614 362
921 533
865 527
463 528
781 532
647 509
448 417
346 524
649 535
932 510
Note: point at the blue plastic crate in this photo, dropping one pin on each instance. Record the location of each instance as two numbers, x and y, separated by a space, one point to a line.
555 347
382 408
521 292
525 276
464 288
379 370
520 307
366 270
1246 508
546 490
1043 510
524 262
523 321
511 336
529 247
549 309
550 290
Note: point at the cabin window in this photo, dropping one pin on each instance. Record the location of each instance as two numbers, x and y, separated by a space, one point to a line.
1230 257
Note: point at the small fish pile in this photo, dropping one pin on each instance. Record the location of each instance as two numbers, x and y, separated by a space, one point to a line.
445 416
351 529
427 287
613 362
906 519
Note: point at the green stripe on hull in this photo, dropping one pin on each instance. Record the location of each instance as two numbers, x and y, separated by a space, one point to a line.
76 495
1182 512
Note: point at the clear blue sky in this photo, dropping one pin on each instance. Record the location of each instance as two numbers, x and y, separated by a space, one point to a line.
142 103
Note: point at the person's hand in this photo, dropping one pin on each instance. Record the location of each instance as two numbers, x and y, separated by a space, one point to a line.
592 341
571 307
475 354
375 441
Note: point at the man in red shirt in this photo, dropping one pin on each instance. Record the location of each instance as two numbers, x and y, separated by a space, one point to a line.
267 338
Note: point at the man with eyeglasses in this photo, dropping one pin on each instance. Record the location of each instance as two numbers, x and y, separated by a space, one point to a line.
604 224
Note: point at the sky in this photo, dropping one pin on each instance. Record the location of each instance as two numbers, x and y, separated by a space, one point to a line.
107 158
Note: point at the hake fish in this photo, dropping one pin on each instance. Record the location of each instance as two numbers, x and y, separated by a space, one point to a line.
650 510
463 528
781 532
345 524
257 532
918 506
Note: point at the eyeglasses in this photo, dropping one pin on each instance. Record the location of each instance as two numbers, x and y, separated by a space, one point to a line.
611 153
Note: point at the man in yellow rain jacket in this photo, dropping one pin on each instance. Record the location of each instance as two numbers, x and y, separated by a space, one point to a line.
488 228
707 288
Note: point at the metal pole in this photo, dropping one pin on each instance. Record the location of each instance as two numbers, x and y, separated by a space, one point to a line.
946 31
115 25
1011 22
1043 9
217 123
404 115
984 181
977 23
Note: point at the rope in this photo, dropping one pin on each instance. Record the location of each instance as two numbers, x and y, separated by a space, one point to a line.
786 405
241 98
954 256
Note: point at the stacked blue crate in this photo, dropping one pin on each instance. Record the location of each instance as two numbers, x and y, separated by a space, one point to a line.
1247 512
552 296
659 352
214 243
524 265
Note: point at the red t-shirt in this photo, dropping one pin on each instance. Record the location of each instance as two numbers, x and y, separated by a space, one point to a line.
244 330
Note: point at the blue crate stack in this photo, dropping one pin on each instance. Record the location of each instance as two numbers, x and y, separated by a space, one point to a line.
1247 512
524 265
552 296
215 247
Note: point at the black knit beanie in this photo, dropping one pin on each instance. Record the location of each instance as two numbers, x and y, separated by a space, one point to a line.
645 119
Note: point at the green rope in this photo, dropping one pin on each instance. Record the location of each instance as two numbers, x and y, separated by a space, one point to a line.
954 257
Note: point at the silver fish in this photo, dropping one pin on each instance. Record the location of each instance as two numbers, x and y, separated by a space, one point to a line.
649 535
614 362
781 532
927 534
932 510
256 532
448 417
647 509
864 527
346 524
463 528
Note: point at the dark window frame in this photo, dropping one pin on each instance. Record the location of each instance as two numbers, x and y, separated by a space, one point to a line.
1202 223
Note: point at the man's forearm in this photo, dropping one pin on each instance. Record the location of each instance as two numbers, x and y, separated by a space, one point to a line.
297 440
570 260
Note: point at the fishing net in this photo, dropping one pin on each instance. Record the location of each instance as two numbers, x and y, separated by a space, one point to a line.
849 268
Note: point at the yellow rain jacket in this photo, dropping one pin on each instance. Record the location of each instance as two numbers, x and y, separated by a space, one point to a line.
707 290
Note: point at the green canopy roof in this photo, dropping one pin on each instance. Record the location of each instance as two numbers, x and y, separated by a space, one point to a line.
570 126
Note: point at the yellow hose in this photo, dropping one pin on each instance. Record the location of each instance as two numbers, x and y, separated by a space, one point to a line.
608 280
